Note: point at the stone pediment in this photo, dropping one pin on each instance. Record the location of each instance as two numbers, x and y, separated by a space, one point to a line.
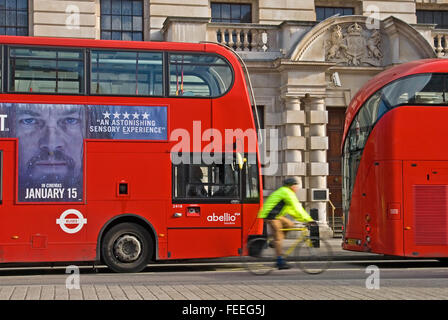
352 41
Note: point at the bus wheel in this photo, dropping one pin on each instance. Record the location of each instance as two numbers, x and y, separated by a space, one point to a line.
127 247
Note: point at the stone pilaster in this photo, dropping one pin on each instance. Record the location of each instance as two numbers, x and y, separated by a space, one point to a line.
316 155
272 145
293 143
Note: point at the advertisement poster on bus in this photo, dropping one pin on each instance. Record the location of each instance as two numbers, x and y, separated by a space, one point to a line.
127 122
50 142
50 149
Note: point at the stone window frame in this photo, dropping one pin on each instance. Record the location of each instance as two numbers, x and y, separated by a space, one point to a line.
326 17
356 5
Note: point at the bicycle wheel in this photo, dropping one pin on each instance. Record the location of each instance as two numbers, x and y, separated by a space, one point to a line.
313 260
261 257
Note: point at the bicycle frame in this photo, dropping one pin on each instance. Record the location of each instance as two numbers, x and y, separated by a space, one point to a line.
315 260
304 237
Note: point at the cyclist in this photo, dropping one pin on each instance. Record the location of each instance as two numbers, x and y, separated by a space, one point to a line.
281 202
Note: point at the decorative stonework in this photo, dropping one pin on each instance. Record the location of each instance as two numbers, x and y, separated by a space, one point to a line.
353 45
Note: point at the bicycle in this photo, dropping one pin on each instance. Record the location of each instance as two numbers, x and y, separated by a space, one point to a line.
312 255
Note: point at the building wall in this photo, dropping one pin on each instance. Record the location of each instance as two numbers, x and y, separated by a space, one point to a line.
81 19
402 9
159 10
60 18
277 11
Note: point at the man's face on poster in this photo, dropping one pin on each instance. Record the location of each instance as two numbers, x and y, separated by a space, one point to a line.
50 144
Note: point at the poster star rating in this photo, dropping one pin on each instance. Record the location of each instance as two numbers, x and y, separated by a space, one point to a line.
128 122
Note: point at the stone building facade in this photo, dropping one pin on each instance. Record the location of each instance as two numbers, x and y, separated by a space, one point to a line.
304 68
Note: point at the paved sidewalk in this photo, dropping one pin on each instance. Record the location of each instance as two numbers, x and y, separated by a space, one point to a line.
249 290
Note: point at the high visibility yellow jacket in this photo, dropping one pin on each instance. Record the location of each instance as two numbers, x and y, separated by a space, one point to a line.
281 202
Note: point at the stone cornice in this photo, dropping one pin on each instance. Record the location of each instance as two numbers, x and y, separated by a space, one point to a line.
315 66
170 20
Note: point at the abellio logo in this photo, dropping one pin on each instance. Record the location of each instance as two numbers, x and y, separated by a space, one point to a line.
227 218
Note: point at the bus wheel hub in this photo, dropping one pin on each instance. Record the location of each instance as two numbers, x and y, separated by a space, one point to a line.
127 248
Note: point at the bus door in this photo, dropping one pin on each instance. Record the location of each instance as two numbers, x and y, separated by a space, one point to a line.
251 198
425 208
13 228
206 215
32 226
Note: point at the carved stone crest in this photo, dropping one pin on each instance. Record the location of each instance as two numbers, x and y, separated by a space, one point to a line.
354 46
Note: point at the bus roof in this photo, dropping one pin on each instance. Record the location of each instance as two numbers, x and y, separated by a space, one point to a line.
119 44
77 42
387 76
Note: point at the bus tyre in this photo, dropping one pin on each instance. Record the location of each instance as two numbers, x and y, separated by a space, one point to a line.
127 247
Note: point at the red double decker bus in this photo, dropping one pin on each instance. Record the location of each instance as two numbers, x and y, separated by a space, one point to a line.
395 164
124 152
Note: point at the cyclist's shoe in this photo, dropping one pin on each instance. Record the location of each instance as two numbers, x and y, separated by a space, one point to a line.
283 266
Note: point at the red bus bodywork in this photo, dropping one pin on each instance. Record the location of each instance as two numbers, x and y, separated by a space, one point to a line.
399 199
29 232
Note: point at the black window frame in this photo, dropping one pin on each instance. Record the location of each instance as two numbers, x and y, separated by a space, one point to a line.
234 5
245 177
164 67
333 11
4 11
104 15
240 198
7 75
428 16
168 74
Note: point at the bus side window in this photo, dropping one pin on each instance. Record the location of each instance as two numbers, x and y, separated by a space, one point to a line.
190 181
195 185
199 75
252 182
126 73
205 181
46 70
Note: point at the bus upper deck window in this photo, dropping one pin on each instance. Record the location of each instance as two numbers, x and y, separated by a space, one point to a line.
126 73
420 89
46 70
199 75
